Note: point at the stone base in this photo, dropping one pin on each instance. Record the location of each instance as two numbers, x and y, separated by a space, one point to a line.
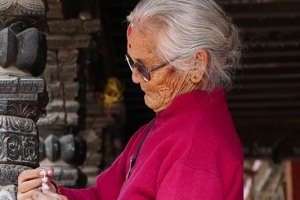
8 192
9 174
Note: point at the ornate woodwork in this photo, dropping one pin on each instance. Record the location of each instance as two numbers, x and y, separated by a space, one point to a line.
23 93
64 148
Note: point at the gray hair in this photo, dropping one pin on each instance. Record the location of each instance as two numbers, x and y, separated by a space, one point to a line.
183 27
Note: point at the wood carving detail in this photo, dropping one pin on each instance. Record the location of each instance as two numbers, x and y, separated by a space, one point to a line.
9 173
19 149
17 125
23 95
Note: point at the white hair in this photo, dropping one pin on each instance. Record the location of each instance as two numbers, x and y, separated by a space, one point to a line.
183 27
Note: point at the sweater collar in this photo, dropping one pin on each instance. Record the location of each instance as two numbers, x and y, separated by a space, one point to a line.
195 99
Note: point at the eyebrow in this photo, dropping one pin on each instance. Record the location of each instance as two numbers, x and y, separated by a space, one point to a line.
142 62
133 59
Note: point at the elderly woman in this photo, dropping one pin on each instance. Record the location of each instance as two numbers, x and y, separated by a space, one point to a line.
180 53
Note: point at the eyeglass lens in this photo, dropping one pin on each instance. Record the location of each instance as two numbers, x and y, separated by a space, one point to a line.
139 66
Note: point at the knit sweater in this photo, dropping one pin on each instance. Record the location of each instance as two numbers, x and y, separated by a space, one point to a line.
192 152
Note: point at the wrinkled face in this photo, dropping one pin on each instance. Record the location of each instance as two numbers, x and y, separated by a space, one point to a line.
166 83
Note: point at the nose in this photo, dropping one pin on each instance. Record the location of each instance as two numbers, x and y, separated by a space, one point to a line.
136 76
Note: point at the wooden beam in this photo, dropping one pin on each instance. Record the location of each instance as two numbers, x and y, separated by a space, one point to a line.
292 174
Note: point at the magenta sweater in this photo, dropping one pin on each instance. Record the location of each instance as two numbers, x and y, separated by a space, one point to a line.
191 153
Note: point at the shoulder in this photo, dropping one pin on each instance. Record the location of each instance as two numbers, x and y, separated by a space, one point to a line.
184 182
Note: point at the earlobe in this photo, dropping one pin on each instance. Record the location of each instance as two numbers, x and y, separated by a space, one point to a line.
197 76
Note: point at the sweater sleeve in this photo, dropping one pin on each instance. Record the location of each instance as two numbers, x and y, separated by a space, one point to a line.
107 185
182 182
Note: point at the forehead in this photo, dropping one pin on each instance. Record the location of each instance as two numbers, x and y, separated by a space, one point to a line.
140 43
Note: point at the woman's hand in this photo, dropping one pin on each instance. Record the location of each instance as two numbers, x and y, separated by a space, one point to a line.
36 184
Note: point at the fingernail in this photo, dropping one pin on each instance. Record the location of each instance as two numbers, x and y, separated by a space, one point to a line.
43 173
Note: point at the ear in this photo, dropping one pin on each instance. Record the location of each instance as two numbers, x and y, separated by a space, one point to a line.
203 57
200 65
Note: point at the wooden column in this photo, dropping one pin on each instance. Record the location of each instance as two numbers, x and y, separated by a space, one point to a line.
292 174
23 95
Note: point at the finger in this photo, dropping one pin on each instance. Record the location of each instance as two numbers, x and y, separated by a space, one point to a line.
28 174
26 195
30 179
48 185
30 185
35 173
39 195
49 170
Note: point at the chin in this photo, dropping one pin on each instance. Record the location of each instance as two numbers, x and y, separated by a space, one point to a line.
149 103
153 107
153 104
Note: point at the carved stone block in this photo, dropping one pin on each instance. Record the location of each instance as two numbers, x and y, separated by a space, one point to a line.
25 50
69 148
8 47
22 96
32 51
8 192
9 174
52 148
73 149
19 149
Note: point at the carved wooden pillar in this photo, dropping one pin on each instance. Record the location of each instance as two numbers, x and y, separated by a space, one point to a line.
65 150
23 49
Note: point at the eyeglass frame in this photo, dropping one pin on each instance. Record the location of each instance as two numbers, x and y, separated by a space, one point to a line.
143 67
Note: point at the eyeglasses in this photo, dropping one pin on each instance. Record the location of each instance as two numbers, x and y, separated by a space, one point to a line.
144 71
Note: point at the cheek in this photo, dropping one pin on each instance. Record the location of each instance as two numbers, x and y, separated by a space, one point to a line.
166 85
163 86
167 81
155 87
161 92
